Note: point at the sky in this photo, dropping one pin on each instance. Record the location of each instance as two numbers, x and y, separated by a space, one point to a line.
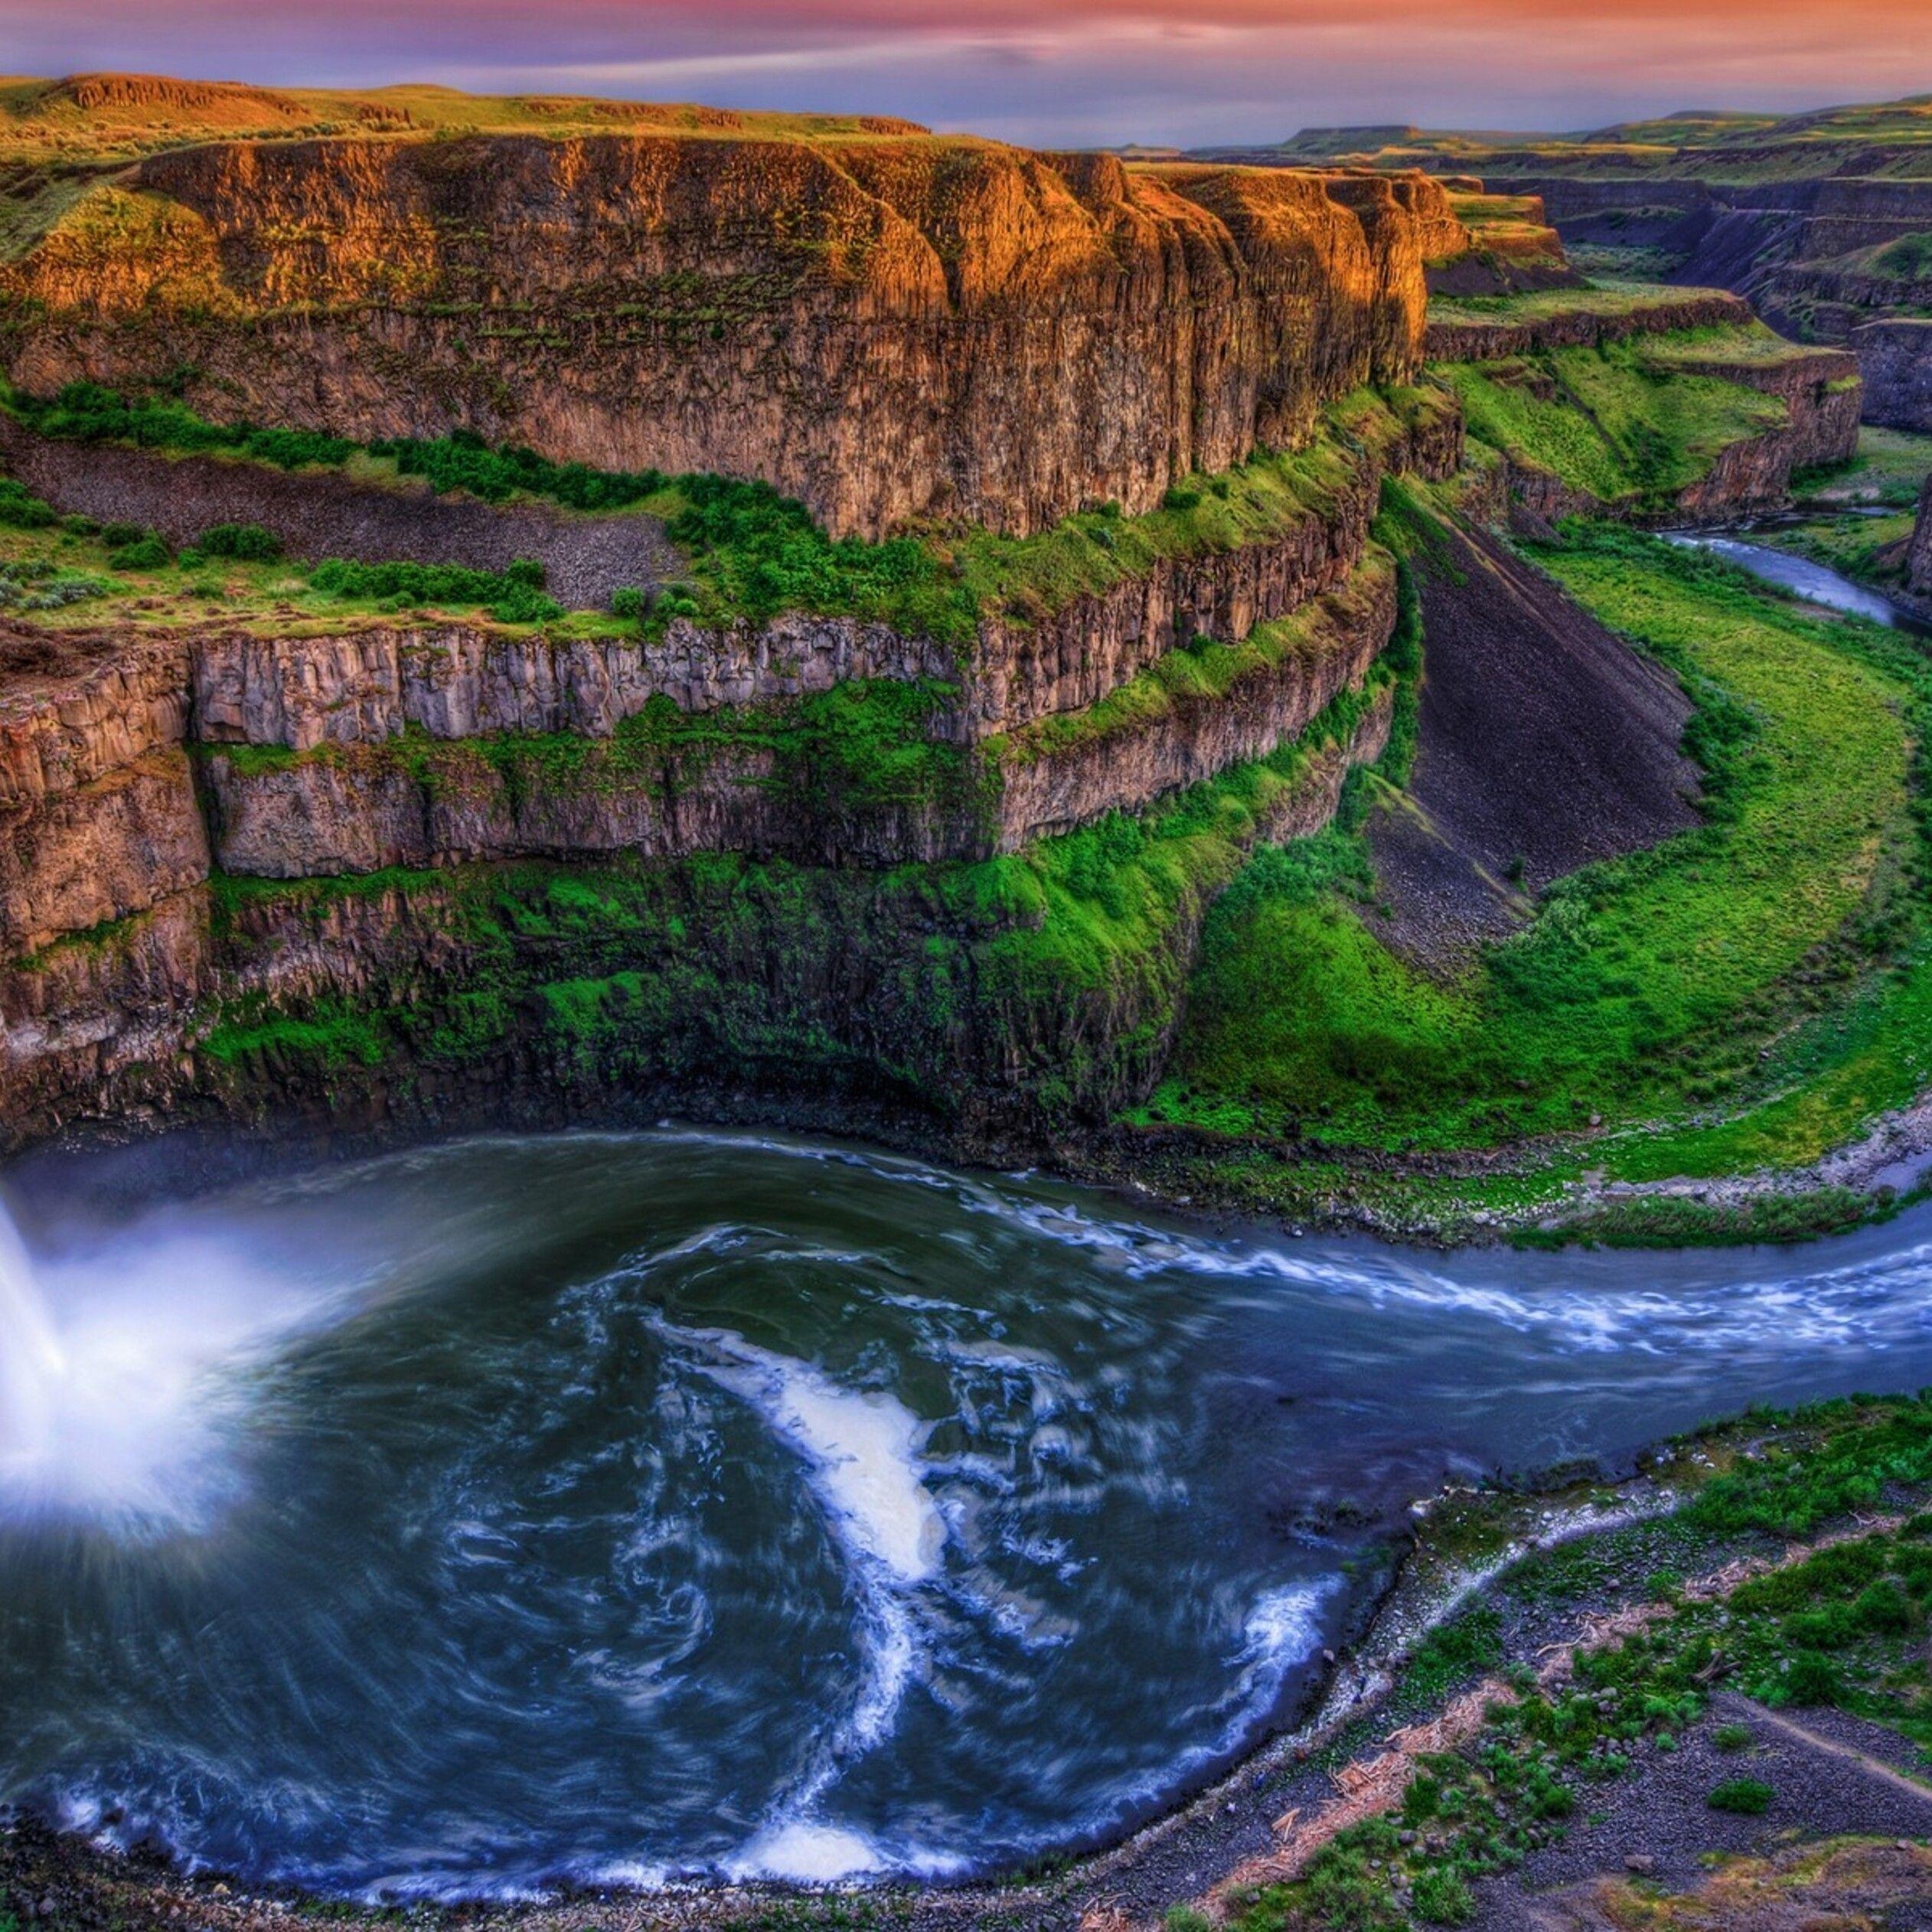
1047 72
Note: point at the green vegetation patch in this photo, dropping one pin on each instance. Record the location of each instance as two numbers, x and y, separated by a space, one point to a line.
1760 981
751 552
1615 422
1845 1626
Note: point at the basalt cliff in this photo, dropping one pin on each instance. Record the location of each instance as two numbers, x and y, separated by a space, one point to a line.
1823 220
888 329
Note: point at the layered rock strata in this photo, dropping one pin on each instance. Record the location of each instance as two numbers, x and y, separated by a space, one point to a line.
830 994
1586 326
889 329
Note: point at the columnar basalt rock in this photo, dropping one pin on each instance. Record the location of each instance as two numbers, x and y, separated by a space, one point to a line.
1054 778
1918 555
888 329
1895 358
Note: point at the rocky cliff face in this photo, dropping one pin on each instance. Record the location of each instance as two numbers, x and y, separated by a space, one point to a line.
889 329
1822 395
1464 339
1806 248
1895 358
1918 556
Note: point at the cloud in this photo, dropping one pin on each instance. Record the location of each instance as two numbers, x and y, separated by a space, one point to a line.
1088 71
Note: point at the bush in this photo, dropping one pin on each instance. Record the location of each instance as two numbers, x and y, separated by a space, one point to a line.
1443 1898
147 553
116 536
20 510
1732 1737
1811 1680
1750 1797
1185 1918
1884 1609
1179 497
246 543
88 412
514 595
463 460
627 601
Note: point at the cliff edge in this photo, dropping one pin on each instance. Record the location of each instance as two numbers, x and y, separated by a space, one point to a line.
891 328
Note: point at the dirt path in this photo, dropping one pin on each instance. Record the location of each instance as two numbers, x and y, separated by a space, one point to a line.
1872 1767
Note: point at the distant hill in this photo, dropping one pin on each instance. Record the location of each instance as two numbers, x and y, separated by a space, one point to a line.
106 117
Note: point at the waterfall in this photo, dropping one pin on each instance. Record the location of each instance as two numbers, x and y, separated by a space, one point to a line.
31 1360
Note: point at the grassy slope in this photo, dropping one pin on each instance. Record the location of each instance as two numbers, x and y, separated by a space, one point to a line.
1620 421
1760 984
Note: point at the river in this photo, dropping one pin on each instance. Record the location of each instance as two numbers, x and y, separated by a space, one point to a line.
1815 582
618 1509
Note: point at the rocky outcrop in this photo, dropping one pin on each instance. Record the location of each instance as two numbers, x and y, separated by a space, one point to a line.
376 682
1798 242
1818 390
1589 324
116 845
1162 734
1822 394
1895 359
836 995
76 706
888 329
420 800
1918 556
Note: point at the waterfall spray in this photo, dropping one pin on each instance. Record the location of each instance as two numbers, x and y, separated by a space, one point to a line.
31 1362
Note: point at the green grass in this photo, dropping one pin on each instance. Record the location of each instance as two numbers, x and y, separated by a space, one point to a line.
1612 299
1909 258
1761 980
1631 432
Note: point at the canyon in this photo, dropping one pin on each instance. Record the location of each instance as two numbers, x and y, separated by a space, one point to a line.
1214 676
892 329
1821 219
911 820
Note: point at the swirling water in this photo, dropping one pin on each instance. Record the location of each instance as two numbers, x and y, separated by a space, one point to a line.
627 1508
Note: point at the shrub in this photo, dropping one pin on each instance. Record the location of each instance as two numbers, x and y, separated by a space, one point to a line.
20 510
88 412
463 460
1884 1608
1749 1796
514 595
627 601
116 535
246 543
1732 1737
1442 1897
1179 498
1185 1918
1811 1680
147 553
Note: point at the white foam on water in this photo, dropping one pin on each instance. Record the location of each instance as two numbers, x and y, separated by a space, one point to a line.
861 1448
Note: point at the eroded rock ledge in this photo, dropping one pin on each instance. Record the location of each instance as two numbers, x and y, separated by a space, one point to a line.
888 329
